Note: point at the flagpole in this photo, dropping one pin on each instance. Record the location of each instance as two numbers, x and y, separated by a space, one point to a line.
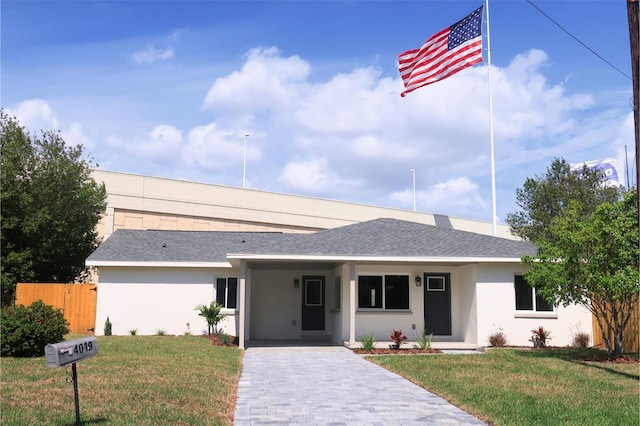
493 161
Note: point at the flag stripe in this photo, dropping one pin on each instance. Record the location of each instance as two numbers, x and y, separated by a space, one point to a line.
428 73
443 54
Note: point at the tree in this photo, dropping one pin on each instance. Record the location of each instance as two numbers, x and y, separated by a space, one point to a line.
592 261
544 198
212 315
50 207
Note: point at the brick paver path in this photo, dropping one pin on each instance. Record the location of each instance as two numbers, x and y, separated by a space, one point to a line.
333 386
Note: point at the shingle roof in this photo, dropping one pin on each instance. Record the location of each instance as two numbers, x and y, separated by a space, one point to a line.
179 246
379 237
393 237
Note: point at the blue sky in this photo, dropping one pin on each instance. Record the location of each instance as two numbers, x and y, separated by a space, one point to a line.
169 89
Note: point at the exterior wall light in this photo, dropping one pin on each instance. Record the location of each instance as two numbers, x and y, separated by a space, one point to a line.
296 283
418 281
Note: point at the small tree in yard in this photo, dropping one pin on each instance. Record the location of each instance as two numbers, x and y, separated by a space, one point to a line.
592 260
50 207
212 315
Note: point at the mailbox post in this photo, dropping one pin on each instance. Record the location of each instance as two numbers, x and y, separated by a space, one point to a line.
70 352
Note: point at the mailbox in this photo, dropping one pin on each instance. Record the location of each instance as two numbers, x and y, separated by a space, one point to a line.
69 352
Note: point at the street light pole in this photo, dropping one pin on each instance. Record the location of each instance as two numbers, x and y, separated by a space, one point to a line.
244 162
413 174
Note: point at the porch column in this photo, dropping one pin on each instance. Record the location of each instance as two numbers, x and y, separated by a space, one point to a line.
352 305
242 304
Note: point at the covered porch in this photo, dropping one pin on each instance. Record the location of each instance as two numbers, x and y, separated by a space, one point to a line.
336 302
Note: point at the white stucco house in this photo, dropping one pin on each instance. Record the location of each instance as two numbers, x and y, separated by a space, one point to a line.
334 285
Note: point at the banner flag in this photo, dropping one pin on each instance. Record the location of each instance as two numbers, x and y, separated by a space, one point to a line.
611 167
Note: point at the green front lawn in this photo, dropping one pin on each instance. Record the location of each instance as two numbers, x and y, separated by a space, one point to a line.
134 380
528 387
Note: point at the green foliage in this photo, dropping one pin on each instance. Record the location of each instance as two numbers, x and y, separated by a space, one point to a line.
545 198
26 330
592 260
368 342
50 207
225 339
133 331
423 339
212 315
161 333
107 327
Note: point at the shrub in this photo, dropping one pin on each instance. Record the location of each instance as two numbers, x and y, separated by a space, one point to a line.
423 339
25 331
107 327
133 331
498 339
368 342
581 340
397 337
225 339
540 337
212 314
161 333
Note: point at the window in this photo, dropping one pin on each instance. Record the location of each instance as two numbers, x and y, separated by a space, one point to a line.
383 292
528 299
227 292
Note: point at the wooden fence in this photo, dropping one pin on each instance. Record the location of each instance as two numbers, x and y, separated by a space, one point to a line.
77 302
631 333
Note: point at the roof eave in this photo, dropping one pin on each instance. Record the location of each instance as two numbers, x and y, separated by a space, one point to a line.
156 264
234 257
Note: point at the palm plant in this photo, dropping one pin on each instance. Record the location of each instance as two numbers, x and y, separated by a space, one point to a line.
212 315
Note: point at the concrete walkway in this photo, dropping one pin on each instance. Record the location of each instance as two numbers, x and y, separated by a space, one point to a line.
333 386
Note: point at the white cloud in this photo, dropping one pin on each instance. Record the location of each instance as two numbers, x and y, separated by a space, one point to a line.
313 176
75 136
35 115
266 81
351 136
150 55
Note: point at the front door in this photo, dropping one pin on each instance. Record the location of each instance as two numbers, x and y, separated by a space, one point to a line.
437 304
312 303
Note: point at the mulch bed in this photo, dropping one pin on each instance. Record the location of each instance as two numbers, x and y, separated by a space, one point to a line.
625 359
599 356
217 341
403 351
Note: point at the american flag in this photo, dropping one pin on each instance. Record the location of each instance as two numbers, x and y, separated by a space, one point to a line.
443 54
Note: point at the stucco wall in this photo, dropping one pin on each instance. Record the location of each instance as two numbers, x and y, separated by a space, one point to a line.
496 310
152 299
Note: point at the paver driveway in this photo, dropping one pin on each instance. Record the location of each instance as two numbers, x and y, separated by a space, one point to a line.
333 386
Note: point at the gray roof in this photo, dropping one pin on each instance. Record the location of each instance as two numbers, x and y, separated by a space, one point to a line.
179 246
379 237
393 237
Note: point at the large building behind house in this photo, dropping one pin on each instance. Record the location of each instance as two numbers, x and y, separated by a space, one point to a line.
146 202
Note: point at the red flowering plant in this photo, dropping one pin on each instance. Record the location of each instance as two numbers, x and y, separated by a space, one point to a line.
540 337
397 337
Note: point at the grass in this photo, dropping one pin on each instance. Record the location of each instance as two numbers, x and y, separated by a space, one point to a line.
525 387
141 380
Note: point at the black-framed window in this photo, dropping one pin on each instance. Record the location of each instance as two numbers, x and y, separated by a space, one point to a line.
227 292
370 291
528 299
383 292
